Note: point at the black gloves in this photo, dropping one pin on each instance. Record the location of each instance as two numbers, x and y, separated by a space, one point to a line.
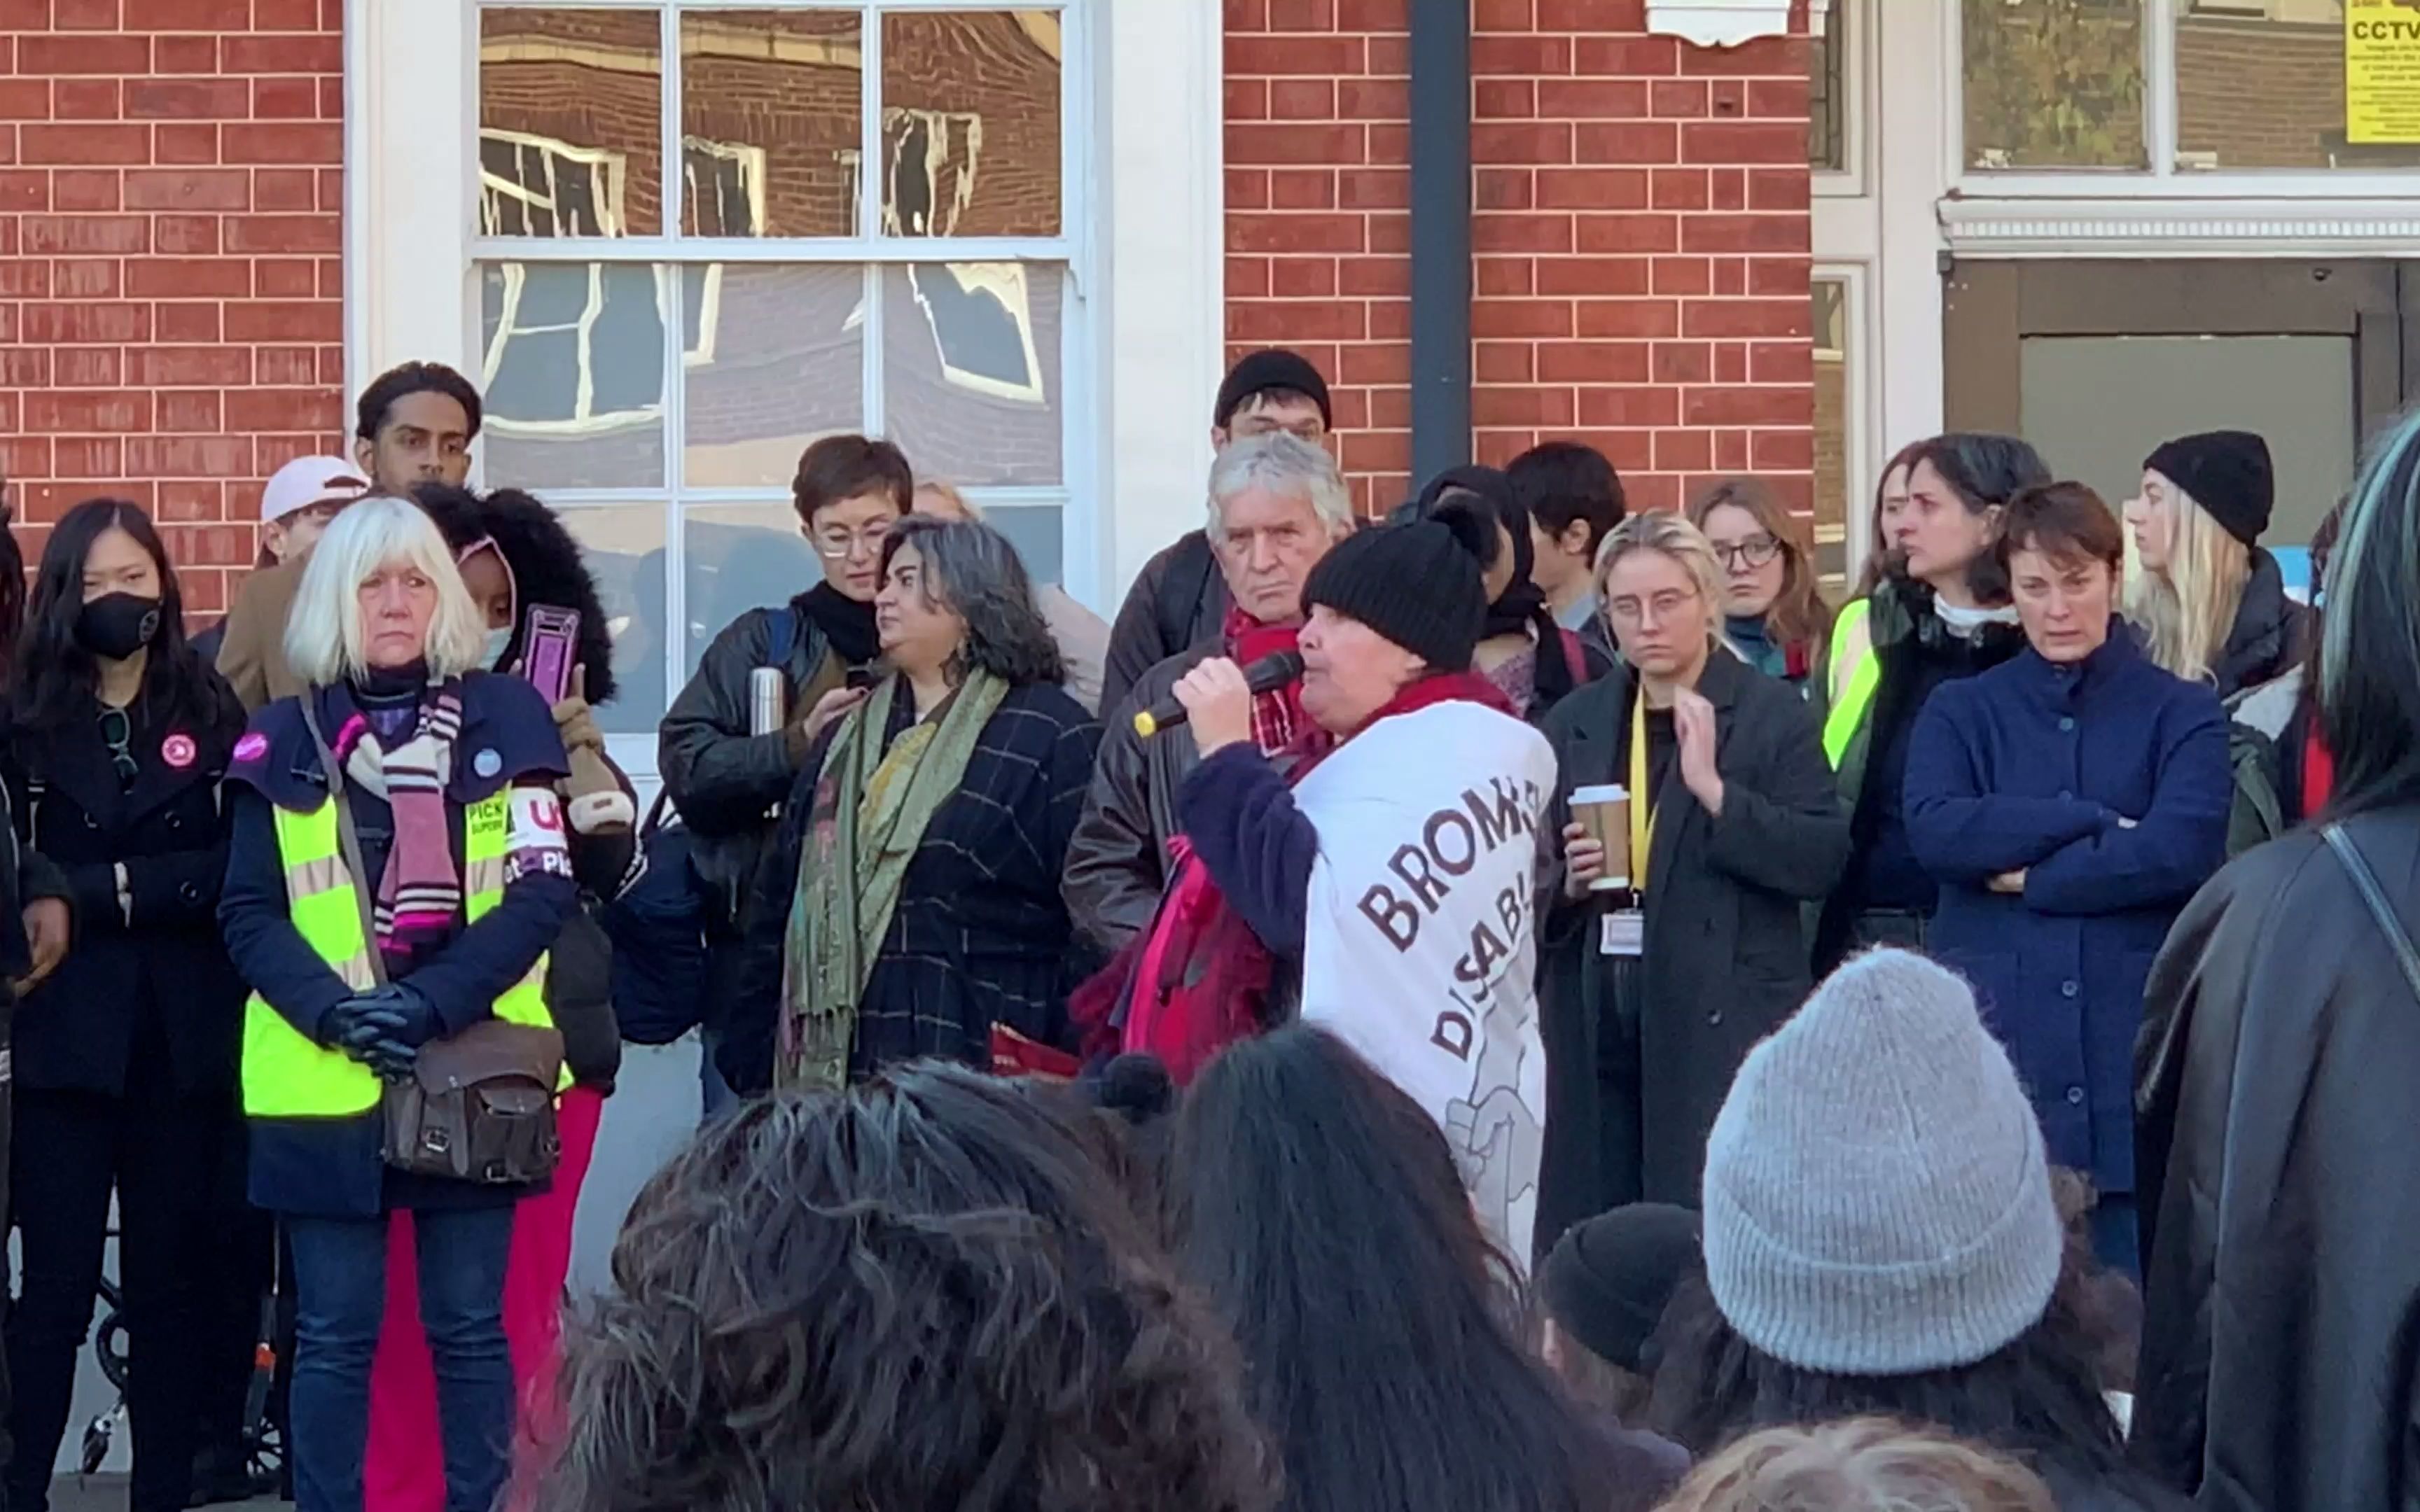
384 1029
417 1021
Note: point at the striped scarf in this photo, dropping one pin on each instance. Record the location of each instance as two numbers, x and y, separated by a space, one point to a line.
421 890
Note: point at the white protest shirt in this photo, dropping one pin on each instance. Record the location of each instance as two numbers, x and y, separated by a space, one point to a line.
1419 947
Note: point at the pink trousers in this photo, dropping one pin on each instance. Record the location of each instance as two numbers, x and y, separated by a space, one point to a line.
406 1469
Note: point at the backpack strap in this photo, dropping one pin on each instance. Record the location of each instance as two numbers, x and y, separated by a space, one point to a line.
783 636
2365 882
1575 656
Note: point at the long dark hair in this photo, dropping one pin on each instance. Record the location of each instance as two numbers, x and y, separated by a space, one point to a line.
919 1293
2369 658
1985 471
2039 1398
56 676
975 572
1320 1208
1488 493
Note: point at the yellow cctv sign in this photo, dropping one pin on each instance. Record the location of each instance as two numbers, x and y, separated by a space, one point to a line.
2383 70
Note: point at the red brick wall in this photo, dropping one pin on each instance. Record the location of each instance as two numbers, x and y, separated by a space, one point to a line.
1640 235
170 280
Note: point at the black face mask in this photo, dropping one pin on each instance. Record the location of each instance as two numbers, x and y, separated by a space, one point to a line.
116 626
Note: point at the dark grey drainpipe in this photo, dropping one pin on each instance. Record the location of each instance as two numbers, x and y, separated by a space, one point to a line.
1440 108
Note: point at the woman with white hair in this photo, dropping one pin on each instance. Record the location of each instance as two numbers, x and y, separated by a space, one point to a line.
397 872
1656 987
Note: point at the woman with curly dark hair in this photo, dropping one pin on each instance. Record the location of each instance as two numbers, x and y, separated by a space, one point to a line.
1882 1239
1319 1207
917 1292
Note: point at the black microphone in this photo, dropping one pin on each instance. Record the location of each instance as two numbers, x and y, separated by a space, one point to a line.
1267 675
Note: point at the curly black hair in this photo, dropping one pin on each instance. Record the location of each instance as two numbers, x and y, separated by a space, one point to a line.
546 562
922 1291
405 378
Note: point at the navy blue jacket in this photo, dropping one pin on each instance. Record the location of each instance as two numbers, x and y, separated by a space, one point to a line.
2031 768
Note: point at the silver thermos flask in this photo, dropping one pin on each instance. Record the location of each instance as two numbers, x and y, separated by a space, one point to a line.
769 700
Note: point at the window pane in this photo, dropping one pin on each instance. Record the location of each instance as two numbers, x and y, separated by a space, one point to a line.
1827 55
570 143
781 363
2054 83
1034 530
771 122
574 358
740 557
970 369
2263 87
1831 328
624 546
971 123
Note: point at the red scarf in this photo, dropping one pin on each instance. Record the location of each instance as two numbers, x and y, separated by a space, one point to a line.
1198 979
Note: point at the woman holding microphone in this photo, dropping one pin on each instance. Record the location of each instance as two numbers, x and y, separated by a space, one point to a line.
1667 963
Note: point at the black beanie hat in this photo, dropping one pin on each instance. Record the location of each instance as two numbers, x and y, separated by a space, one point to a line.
1419 585
2227 474
1272 367
1607 1281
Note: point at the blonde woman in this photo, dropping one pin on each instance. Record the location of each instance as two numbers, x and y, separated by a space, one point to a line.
2209 601
1866 1465
1084 637
1660 987
396 871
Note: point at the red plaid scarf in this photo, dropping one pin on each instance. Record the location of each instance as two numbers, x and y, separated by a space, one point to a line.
1277 719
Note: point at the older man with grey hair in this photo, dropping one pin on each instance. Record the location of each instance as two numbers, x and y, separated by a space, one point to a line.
1277 504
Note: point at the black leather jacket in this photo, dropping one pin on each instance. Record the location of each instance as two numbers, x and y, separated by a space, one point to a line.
725 781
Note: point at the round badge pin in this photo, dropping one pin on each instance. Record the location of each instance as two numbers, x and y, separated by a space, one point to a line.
252 748
487 763
178 751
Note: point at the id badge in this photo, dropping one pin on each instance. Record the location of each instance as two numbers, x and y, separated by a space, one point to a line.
1621 932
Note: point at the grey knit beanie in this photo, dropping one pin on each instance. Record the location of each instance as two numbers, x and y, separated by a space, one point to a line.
1877 1199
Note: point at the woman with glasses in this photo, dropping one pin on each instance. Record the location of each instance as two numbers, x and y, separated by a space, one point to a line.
725 777
1772 615
116 736
1656 989
913 903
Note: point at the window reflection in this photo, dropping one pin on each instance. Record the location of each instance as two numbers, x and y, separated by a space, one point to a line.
970 369
770 119
570 143
783 364
1831 332
971 123
2260 83
2053 84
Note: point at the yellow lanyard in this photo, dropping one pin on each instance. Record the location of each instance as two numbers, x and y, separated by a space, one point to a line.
1642 802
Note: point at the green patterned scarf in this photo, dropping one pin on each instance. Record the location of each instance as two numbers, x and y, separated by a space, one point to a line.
869 816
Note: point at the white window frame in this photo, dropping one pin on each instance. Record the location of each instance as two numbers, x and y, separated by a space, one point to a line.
1853 43
1861 418
1142 222
2098 189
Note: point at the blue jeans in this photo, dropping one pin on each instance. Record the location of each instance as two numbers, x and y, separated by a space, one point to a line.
340 1297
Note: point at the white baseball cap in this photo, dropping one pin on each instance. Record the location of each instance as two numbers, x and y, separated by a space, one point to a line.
311 480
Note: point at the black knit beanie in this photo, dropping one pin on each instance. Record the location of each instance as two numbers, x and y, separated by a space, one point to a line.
2227 474
1607 1281
1272 367
1417 585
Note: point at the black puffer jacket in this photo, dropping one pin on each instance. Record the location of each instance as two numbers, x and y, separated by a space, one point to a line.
2269 634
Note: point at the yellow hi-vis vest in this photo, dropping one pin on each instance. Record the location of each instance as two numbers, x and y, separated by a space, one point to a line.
285 1075
1852 692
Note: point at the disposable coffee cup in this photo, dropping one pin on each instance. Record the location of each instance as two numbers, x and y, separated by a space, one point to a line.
1604 810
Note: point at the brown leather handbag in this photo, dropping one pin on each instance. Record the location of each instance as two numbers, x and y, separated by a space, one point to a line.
479 1106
